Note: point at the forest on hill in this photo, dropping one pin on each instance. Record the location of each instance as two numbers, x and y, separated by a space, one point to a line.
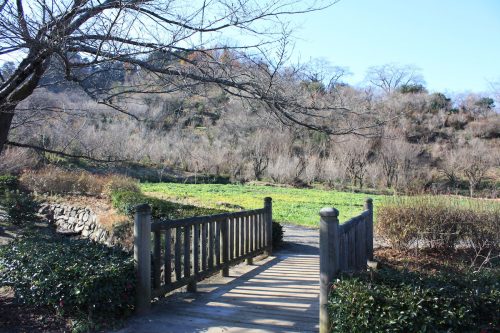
390 133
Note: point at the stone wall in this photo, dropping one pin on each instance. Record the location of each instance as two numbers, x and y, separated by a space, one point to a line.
76 221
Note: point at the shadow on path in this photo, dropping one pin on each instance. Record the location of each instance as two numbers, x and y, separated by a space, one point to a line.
276 294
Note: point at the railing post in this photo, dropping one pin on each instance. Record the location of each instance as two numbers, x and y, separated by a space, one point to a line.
369 229
225 244
268 207
142 257
328 261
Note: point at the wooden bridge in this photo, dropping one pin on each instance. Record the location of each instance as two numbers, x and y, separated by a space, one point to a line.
275 293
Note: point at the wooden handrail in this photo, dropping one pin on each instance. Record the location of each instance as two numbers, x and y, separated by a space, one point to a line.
190 249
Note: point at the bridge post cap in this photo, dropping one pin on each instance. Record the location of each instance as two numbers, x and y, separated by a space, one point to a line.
370 200
329 212
143 208
268 199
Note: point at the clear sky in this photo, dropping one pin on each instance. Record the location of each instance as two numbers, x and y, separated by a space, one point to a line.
456 43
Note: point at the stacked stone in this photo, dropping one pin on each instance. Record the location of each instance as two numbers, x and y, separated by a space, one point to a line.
77 221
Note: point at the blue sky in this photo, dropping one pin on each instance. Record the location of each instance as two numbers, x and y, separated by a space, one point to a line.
456 43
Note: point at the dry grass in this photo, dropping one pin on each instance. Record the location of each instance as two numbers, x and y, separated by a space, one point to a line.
52 180
439 222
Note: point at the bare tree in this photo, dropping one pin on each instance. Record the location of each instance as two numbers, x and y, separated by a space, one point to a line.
476 161
451 166
390 77
355 156
165 42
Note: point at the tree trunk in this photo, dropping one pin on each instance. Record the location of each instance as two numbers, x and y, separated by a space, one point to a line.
6 117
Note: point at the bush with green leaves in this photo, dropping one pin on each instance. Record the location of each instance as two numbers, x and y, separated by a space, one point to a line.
277 234
8 183
395 301
76 277
20 206
126 201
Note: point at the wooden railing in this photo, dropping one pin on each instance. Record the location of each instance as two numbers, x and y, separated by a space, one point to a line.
343 248
188 250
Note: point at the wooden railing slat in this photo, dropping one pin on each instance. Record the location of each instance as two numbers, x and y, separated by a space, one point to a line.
242 236
167 264
177 263
204 255
230 223
187 251
237 234
217 242
247 236
157 259
211 231
196 248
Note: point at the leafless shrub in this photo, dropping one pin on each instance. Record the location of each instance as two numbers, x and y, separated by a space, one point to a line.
439 222
53 180
14 160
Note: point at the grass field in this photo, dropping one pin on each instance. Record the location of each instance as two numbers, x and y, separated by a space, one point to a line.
290 205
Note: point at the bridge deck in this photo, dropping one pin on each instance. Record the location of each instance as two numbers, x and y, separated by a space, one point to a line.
277 294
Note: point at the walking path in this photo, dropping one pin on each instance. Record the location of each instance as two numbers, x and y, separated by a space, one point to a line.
276 294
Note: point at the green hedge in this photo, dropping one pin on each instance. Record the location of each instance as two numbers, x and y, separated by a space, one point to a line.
397 301
8 183
19 205
126 201
76 277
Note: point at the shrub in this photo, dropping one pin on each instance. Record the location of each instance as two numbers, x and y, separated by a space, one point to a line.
120 183
54 180
439 222
126 201
8 183
75 277
277 234
395 301
20 207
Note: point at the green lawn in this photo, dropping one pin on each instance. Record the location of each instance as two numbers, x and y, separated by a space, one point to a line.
298 206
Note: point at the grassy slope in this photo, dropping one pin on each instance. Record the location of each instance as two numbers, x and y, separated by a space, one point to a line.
298 206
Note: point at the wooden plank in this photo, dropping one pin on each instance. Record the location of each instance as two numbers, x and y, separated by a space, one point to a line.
231 237
211 227
250 233
261 231
167 265
242 237
341 251
352 249
156 259
196 248
204 250
247 237
237 231
217 242
362 245
187 251
224 229
177 263
346 251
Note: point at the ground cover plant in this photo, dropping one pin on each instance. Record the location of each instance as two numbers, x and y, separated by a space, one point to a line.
432 295
88 282
290 205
